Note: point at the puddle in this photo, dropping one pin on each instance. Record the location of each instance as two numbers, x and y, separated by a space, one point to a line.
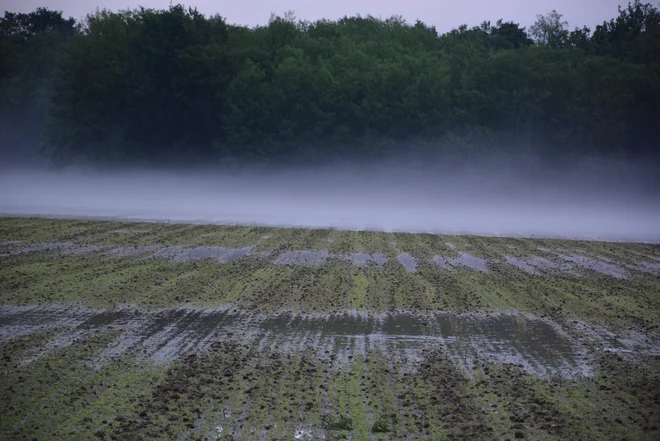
119 252
564 261
66 247
380 259
47 246
303 433
473 262
85 249
302 258
221 254
166 335
10 243
548 265
464 259
450 245
330 324
408 261
359 259
442 262
653 267
575 261
596 265
645 267
522 264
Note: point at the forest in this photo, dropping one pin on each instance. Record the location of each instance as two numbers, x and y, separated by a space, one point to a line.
151 86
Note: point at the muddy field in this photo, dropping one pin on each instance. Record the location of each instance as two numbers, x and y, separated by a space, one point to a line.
127 330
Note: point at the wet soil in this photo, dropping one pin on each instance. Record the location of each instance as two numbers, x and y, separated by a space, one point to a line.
318 376
115 330
538 346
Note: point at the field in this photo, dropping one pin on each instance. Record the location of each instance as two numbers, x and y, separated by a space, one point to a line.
127 330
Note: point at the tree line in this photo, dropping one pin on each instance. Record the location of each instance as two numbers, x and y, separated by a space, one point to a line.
149 86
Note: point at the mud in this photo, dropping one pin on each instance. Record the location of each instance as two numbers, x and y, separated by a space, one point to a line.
538 346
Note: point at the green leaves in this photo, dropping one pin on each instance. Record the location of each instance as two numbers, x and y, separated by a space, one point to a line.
153 85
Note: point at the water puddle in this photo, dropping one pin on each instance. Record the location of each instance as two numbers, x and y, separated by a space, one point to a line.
408 261
559 261
119 252
380 259
473 262
540 346
650 267
359 259
10 243
85 249
465 260
303 433
596 265
572 262
46 246
645 267
220 254
521 264
549 265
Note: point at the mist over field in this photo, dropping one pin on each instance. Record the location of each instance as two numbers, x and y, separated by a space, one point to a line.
139 94
601 201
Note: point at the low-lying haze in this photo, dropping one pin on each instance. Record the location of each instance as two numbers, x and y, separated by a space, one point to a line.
606 201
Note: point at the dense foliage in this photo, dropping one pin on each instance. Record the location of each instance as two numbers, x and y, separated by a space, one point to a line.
154 85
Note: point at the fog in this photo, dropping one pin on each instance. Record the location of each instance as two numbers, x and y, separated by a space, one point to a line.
604 201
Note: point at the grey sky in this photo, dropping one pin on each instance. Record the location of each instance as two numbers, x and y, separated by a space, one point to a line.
444 14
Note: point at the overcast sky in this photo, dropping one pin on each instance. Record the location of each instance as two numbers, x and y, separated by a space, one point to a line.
444 14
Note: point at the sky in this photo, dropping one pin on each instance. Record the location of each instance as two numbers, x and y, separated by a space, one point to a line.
443 14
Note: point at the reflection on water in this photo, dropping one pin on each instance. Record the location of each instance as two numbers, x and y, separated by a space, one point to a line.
408 261
163 335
